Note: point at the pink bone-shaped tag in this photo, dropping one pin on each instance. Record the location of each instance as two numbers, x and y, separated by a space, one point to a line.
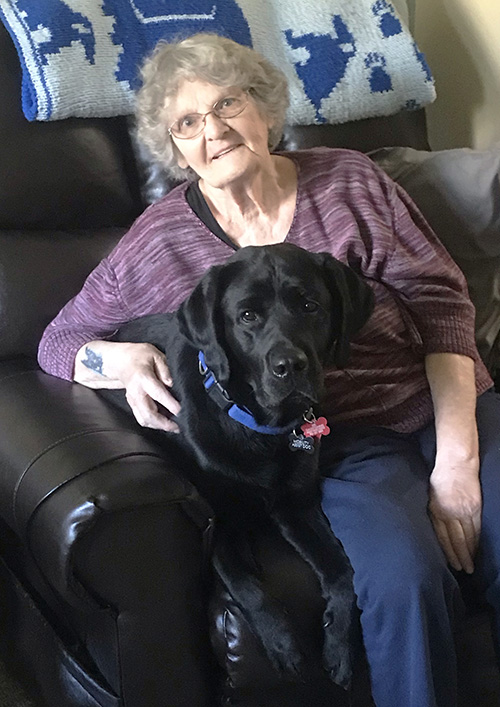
316 428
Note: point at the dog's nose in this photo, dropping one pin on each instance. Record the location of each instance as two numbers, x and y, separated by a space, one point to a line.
285 363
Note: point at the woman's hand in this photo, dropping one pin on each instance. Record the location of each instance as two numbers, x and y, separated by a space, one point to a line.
455 501
139 368
147 380
455 508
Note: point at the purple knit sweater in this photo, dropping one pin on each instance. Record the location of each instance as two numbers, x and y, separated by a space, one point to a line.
346 206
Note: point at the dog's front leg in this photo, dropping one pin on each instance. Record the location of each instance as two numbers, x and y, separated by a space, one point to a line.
264 615
308 531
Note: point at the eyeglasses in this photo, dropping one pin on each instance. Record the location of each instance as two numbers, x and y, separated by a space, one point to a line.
193 124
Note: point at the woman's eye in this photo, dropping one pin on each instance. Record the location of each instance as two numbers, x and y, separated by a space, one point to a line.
226 102
249 316
311 306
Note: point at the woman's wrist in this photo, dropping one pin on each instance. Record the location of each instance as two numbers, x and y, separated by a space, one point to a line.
461 449
97 364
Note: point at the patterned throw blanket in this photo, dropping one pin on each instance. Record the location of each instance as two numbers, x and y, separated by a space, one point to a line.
344 59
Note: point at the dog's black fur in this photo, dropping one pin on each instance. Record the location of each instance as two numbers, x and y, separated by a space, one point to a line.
268 321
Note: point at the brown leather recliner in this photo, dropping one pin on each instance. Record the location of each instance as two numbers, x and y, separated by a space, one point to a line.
106 593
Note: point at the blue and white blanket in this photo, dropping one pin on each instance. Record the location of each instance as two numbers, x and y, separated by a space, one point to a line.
344 59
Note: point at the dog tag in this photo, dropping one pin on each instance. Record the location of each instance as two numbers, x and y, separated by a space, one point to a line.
298 442
316 427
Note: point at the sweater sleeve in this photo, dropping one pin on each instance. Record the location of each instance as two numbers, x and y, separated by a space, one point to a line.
428 282
153 268
95 313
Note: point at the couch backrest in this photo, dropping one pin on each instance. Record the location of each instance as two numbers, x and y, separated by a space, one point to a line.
40 270
76 173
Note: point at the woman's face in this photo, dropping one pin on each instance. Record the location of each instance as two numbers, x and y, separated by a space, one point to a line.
227 150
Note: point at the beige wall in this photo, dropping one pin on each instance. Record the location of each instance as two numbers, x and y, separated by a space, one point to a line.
461 41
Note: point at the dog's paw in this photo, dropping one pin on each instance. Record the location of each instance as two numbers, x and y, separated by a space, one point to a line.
282 649
338 645
289 663
339 664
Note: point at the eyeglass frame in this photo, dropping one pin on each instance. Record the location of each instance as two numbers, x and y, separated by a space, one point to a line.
210 112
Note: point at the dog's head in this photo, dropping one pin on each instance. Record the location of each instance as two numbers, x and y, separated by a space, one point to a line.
271 318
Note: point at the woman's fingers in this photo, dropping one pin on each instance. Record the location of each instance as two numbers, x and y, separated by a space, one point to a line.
163 370
460 545
147 389
146 412
459 540
472 529
157 390
441 530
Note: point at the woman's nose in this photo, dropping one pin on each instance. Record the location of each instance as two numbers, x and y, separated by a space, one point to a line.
214 126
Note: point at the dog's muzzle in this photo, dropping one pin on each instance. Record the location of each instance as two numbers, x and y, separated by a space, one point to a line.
287 362
292 378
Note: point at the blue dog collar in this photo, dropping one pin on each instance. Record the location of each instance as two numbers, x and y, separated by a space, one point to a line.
240 414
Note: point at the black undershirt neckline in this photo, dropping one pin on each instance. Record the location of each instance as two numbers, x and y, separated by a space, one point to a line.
196 201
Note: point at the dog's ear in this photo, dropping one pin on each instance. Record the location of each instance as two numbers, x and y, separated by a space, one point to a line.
355 302
201 321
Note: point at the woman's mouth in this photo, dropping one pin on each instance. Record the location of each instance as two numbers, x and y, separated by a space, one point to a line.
224 152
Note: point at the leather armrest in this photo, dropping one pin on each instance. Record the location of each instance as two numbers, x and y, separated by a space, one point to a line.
68 464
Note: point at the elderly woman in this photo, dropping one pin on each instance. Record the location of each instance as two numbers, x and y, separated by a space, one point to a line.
402 482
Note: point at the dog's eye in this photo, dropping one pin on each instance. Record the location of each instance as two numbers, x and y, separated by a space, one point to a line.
249 316
310 306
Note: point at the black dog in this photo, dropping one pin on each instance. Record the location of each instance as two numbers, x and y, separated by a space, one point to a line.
246 352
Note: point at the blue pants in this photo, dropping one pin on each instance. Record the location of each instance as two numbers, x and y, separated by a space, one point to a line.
375 494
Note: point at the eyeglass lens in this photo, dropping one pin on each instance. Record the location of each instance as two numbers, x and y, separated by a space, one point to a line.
192 124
